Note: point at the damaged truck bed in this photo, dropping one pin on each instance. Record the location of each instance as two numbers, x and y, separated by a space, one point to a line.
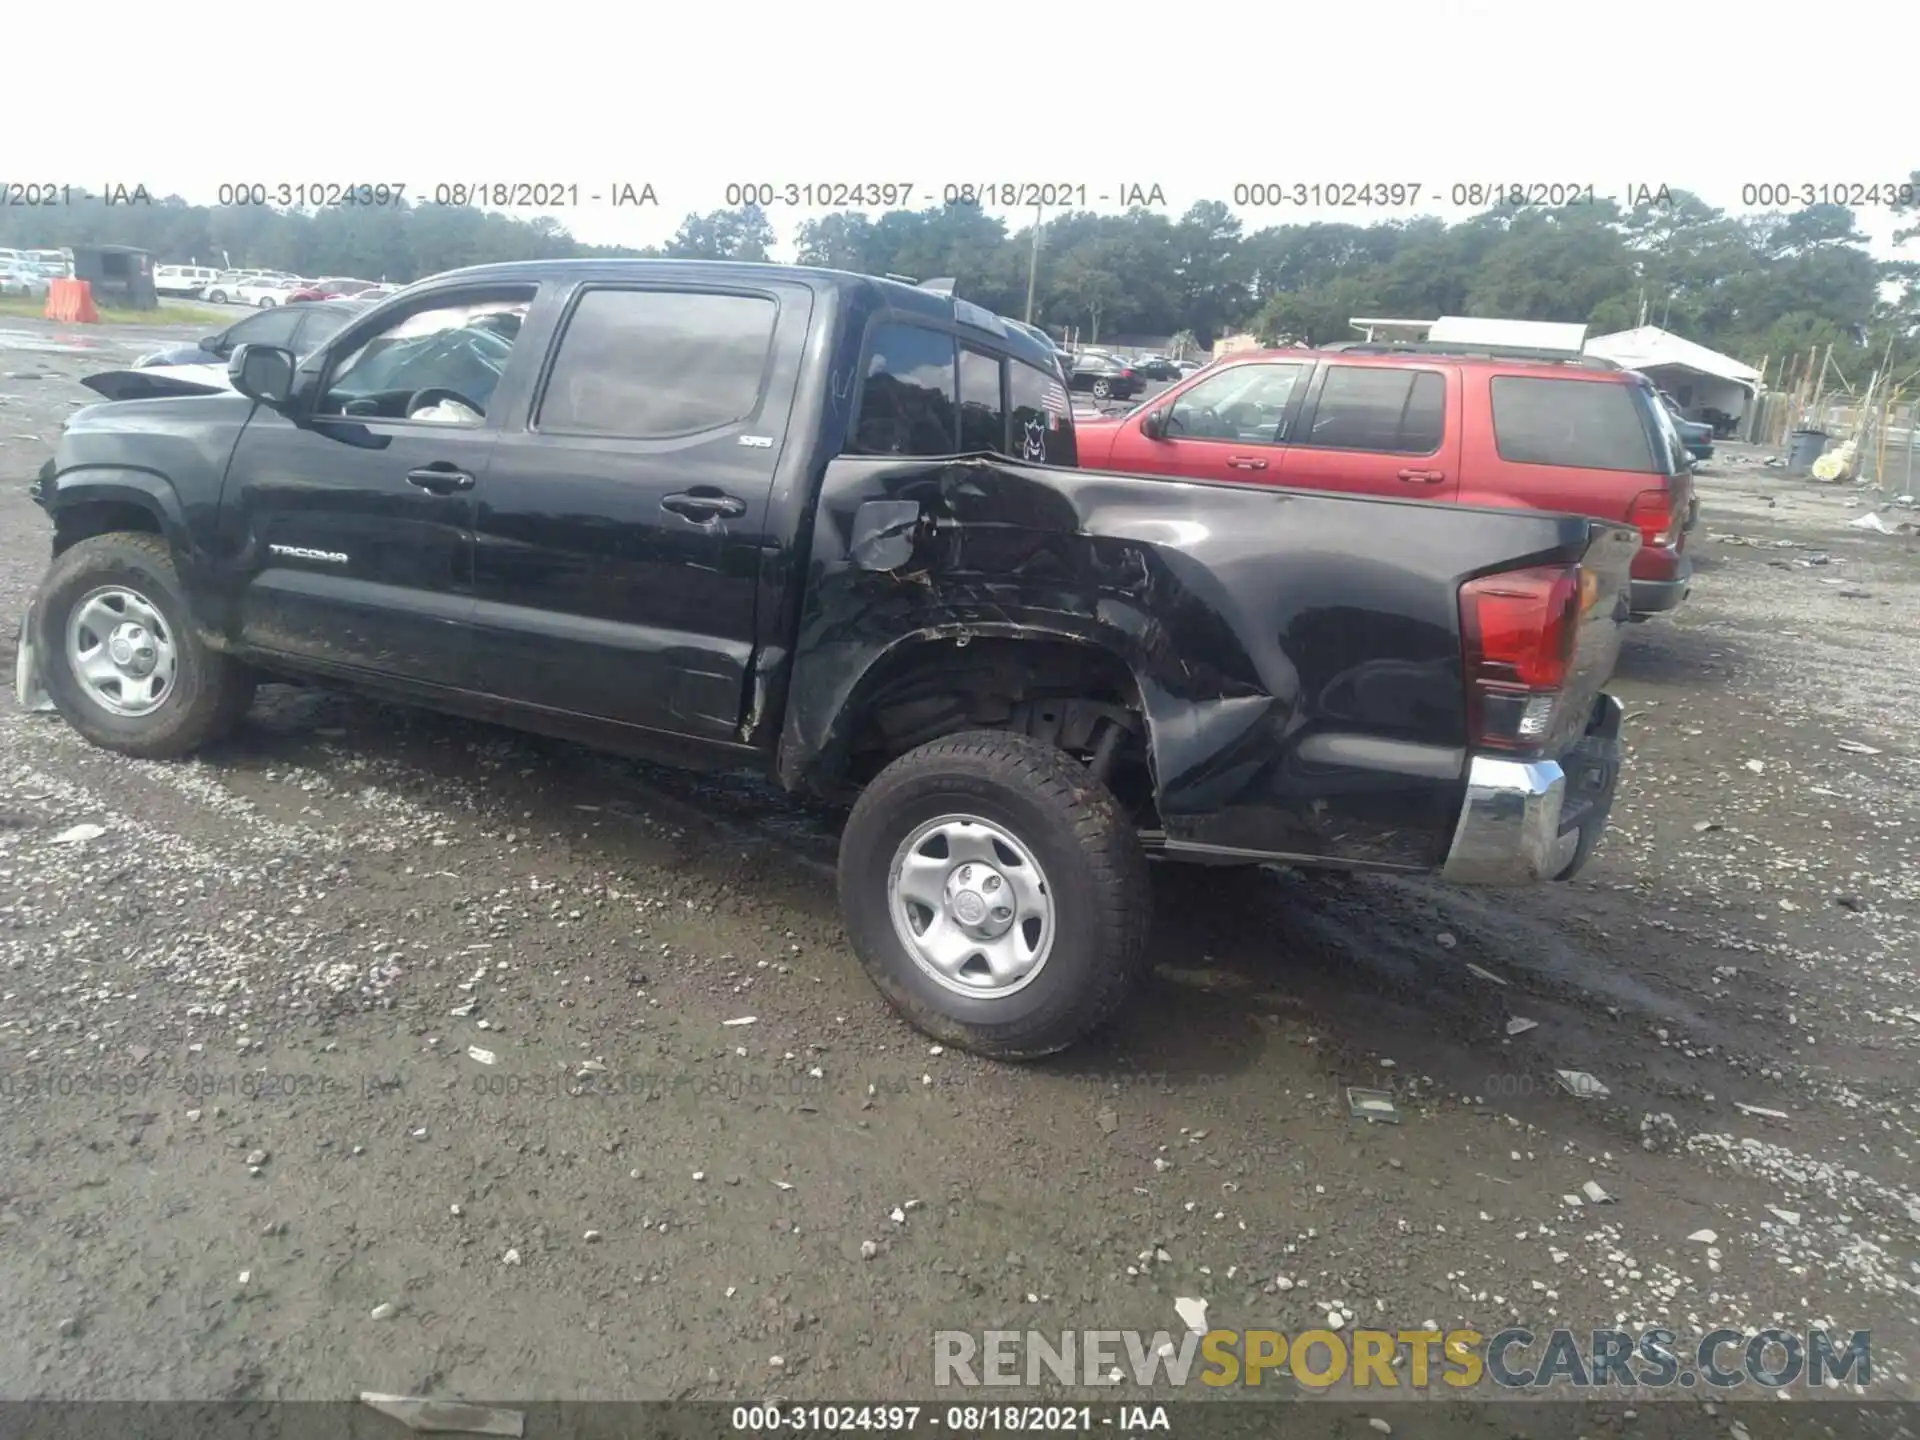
830 525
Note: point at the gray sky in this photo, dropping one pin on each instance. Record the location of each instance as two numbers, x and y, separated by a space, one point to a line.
567 93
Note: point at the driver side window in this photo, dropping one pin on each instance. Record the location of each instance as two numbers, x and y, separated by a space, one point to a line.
435 365
1243 404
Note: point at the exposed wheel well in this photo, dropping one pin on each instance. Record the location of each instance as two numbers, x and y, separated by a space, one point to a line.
1078 697
74 523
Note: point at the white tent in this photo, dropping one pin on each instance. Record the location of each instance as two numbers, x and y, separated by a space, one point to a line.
1699 378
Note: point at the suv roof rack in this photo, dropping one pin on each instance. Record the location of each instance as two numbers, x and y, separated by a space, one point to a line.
1466 351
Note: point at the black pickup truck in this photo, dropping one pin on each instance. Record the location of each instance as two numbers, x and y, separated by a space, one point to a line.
829 526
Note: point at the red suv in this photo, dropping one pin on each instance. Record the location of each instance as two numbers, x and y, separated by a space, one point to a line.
1575 435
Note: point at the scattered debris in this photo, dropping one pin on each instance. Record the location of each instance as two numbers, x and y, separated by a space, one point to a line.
512 1257
1193 1314
1378 1424
868 1249
1485 974
592 1237
1581 1084
485 1057
1595 1195
742 1020
1371 1105
1704 1237
1519 1025
1790 1217
78 834
382 1311
1107 1121
1870 521
1701 827
1759 1110
445 1417
1758 767
1854 747
1446 941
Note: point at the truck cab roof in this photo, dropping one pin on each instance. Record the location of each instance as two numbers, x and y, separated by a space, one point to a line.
894 296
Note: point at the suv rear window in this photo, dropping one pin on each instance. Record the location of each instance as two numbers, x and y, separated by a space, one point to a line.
1584 424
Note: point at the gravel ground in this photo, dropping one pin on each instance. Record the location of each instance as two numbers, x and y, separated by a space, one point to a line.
563 1058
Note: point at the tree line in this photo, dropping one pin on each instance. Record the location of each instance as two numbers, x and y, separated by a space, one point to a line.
1751 285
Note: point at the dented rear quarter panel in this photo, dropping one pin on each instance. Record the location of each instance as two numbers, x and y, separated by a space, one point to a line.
1296 655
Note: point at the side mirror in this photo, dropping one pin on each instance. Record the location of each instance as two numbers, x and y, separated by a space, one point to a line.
210 342
263 373
1154 425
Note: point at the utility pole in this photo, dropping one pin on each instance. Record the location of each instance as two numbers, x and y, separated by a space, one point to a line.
1033 262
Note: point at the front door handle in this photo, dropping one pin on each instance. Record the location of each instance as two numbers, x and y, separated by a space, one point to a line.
1245 462
703 503
440 479
1422 477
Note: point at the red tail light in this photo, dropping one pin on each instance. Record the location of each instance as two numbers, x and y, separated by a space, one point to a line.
1654 512
1519 631
1126 374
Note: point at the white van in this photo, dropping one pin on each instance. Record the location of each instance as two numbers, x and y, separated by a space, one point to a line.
183 279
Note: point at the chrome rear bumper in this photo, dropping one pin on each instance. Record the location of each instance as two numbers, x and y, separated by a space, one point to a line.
1527 821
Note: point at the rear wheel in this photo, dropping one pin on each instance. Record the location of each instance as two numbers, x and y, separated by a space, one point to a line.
996 894
1101 389
267 302
120 658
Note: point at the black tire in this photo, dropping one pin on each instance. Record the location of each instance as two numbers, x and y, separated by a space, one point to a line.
1101 389
210 691
1082 840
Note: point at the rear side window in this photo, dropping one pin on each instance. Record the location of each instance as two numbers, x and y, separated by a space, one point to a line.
983 414
321 326
1385 409
650 364
907 401
1042 416
1584 424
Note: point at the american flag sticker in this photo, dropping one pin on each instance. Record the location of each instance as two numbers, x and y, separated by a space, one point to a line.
1056 401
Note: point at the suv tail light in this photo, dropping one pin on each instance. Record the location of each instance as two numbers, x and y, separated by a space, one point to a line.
1654 511
1519 631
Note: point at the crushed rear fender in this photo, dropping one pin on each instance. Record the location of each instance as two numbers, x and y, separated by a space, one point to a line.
1296 655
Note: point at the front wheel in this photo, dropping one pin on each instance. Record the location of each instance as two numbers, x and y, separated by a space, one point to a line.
1101 389
266 302
996 894
119 656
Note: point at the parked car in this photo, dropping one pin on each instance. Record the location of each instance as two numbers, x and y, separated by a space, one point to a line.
1024 678
220 290
299 330
1191 367
22 280
335 288
1696 435
1422 422
1106 377
377 292
183 280
1156 367
264 291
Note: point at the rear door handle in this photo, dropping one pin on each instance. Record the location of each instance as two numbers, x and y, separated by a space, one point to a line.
1422 477
440 479
1245 462
703 503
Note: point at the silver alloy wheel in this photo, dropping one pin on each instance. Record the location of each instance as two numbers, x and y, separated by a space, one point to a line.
1101 389
121 650
971 904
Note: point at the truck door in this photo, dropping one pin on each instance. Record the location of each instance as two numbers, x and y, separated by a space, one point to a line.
1391 429
620 536
356 525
